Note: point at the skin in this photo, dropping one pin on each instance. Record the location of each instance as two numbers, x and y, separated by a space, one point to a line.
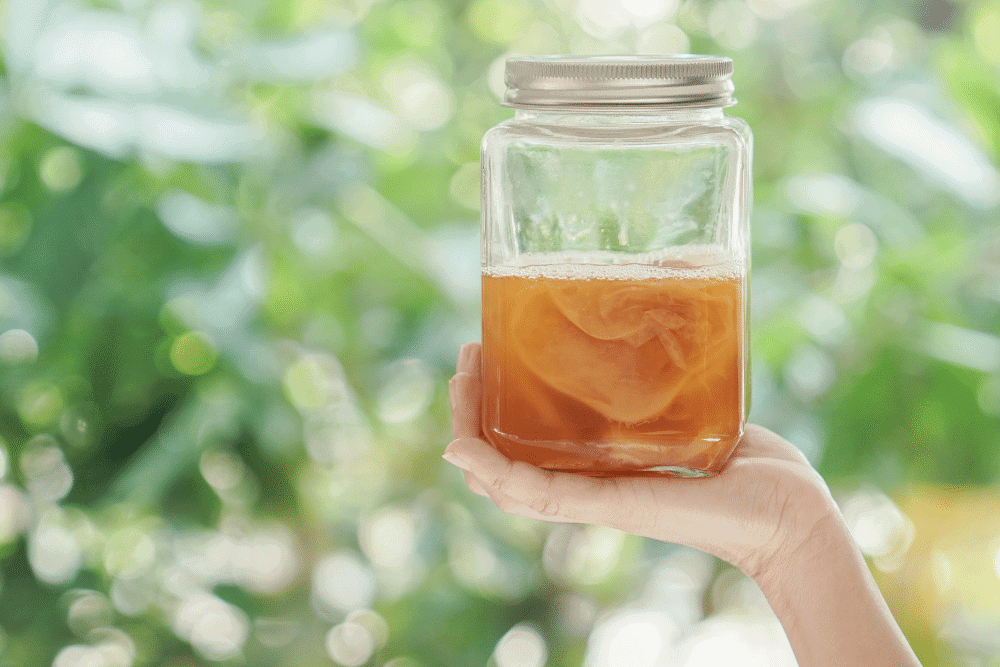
768 512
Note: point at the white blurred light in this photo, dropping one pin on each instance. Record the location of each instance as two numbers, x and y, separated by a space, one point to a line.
421 98
823 319
54 553
195 220
363 120
267 561
389 537
349 644
732 25
14 512
522 646
180 134
100 124
374 622
3 459
341 583
304 59
662 37
931 146
676 586
582 555
132 594
17 346
453 259
99 49
313 232
205 556
79 655
868 56
88 611
879 527
46 473
603 19
810 372
476 565
408 392
314 382
824 194
973 349
221 469
215 629
631 639
748 641
575 614
128 551
173 23
117 128
650 11
495 75
116 647
855 245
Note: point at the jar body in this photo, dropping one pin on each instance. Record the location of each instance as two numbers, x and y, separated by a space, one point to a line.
615 254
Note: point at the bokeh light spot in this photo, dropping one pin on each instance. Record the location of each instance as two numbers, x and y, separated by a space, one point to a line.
522 646
630 639
41 404
54 553
14 512
732 25
60 168
407 393
15 226
855 245
46 474
349 644
342 583
193 353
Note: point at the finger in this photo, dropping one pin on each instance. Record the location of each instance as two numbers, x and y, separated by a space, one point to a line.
466 394
520 488
508 504
758 441
470 359
474 485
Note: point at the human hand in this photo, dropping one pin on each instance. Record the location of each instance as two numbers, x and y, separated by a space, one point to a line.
767 512
756 512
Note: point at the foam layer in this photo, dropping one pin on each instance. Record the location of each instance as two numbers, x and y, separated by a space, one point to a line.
692 264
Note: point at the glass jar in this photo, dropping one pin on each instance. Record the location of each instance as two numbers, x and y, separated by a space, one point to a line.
615 252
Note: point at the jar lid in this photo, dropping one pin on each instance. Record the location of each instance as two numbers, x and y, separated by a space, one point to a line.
614 83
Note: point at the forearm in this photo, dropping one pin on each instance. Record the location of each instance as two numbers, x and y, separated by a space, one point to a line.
829 605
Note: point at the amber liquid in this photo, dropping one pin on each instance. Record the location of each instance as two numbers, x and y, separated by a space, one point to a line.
606 370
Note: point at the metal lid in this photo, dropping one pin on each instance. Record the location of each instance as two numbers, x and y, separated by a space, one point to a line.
613 83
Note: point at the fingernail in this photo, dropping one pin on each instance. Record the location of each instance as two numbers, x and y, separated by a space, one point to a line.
451 395
456 460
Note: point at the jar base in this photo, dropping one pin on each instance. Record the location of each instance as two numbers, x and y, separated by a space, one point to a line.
654 471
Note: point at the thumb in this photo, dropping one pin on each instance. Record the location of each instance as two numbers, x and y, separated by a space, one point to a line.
520 488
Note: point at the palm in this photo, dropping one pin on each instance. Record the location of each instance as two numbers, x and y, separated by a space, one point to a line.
766 497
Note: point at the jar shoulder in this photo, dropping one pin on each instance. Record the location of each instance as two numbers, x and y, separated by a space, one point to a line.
730 131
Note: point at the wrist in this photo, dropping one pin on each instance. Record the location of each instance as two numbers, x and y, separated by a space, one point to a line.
812 529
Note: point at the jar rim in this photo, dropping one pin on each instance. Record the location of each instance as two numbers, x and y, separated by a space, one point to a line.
618 83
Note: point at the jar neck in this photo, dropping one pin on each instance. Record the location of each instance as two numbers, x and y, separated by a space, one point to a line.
617 116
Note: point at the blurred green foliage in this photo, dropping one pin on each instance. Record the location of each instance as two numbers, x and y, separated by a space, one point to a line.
239 251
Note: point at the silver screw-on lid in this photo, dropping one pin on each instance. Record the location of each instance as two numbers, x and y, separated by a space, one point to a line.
612 83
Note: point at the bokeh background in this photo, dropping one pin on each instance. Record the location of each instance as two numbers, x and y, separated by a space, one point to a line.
239 252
